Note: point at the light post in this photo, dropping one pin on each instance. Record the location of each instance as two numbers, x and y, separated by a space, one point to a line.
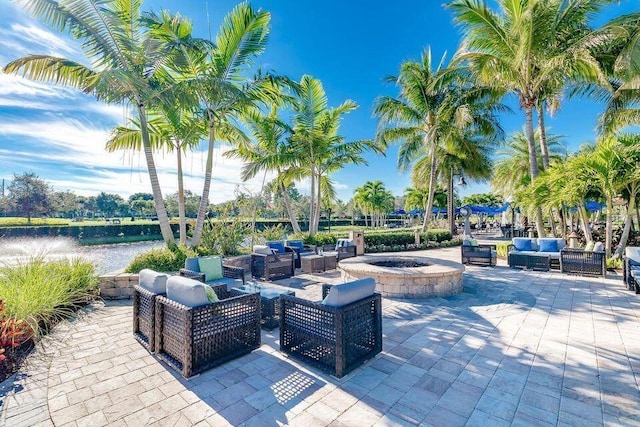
467 227
329 218
451 207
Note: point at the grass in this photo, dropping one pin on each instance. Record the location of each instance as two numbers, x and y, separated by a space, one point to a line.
39 291
22 222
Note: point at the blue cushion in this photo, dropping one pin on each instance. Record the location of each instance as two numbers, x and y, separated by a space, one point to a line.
548 245
298 244
277 245
522 244
192 264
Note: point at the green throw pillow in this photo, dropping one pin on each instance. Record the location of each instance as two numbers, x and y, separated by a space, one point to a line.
211 266
589 247
473 242
211 295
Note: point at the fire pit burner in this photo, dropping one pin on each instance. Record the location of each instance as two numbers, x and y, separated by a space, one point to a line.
399 264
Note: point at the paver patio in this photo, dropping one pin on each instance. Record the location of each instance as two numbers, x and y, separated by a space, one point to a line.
515 348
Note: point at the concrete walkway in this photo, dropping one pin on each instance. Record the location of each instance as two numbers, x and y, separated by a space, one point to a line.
515 348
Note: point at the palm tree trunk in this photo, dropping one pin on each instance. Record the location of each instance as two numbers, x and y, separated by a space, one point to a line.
204 201
432 190
627 226
161 210
451 215
533 160
552 221
582 213
543 136
318 203
181 210
290 210
608 228
312 202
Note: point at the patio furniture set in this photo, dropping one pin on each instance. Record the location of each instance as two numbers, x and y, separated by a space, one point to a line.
540 254
207 315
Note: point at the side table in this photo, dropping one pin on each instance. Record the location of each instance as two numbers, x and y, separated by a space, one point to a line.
269 302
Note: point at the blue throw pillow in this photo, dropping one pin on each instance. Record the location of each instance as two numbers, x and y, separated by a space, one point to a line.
522 245
277 245
548 245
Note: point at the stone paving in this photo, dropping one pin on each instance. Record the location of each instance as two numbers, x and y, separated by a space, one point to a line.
515 348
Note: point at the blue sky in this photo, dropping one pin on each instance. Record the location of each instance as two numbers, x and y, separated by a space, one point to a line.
351 46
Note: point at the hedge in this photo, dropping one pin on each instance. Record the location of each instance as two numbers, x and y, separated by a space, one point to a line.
404 238
89 232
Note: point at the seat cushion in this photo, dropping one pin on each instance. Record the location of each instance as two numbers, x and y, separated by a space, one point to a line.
153 281
186 291
523 244
632 253
211 266
552 255
192 264
346 293
278 245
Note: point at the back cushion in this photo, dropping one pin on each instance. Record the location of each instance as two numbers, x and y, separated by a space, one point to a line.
346 293
633 253
153 281
560 243
598 247
589 247
277 245
522 244
548 245
262 249
192 264
211 266
298 244
186 291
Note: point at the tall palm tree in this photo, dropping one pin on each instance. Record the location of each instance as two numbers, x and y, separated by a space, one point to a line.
219 79
527 47
127 67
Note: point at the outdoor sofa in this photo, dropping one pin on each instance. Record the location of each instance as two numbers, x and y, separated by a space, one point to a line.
268 264
527 249
338 334
194 334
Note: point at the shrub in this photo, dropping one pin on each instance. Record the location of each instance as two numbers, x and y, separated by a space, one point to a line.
437 235
39 292
225 236
501 249
163 259
614 263
320 239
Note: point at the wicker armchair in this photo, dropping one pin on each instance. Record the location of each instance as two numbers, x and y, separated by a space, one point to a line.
579 261
334 339
228 272
194 339
479 254
343 252
144 307
272 266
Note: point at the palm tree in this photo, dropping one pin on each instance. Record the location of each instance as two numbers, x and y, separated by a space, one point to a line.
127 67
530 47
270 153
219 80
317 144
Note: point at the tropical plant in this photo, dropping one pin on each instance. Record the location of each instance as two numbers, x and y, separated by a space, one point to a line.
375 199
219 79
128 65
529 48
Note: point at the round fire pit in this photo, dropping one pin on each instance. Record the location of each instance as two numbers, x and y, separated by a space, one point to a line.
406 277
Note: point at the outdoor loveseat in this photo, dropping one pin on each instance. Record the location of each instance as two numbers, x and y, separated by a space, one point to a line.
194 334
338 334
590 261
268 264
527 252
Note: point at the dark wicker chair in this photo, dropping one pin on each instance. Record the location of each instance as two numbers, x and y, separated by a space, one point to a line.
228 271
479 254
343 251
334 339
628 265
579 261
193 340
272 266
144 317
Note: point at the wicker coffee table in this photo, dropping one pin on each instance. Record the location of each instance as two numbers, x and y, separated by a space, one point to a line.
530 261
269 302
317 263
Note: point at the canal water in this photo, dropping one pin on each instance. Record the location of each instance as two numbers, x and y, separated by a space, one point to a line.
106 258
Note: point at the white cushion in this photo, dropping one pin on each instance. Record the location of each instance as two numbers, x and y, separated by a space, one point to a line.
153 281
262 249
186 291
346 293
598 247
